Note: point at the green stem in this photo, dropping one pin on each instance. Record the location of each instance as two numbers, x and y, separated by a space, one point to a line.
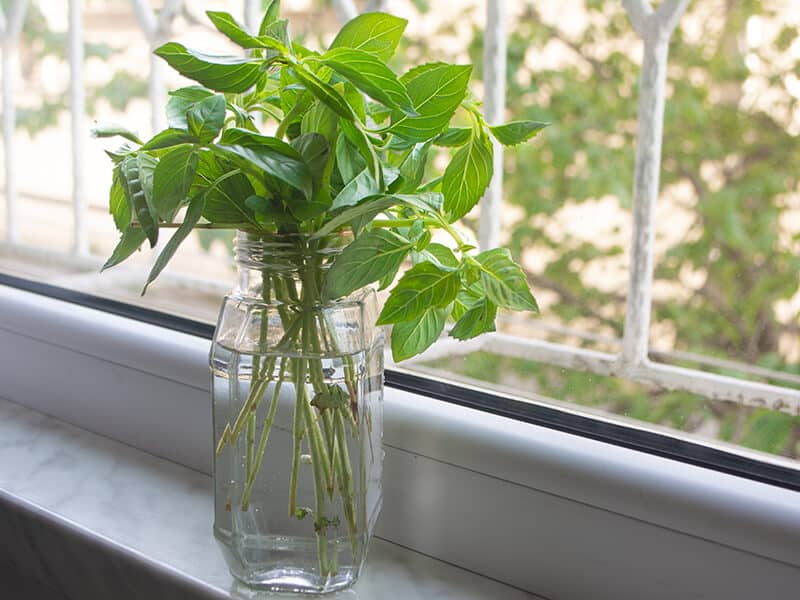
265 431
345 474
297 432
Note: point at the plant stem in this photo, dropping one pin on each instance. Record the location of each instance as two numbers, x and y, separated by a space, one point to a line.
265 430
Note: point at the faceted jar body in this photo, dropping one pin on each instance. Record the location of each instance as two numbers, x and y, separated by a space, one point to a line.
297 403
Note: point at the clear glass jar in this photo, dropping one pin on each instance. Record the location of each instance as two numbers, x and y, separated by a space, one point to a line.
297 400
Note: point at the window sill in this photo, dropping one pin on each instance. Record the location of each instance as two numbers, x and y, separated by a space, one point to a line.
89 518
518 503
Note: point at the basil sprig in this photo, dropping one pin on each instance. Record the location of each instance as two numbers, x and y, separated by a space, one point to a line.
336 161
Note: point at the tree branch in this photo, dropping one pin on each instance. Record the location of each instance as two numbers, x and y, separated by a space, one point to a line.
639 12
376 6
669 13
169 11
12 23
345 10
146 17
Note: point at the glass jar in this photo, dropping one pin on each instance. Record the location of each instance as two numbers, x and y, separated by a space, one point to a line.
297 401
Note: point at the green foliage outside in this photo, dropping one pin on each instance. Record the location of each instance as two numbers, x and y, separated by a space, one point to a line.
740 165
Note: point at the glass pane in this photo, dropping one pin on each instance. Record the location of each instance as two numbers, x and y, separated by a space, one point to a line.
727 223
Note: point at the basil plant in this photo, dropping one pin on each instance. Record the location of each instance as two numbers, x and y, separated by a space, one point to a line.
350 151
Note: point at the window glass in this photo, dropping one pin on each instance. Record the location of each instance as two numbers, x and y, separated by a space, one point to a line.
727 222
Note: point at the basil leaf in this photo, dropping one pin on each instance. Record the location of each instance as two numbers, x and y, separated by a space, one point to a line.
436 93
453 137
172 180
421 287
232 29
191 218
269 154
132 238
516 132
320 119
105 130
360 187
374 32
325 93
118 204
366 72
348 158
364 146
220 73
439 254
412 169
206 118
475 321
180 101
271 15
413 337
467 176
225 201
134 192
315 150
169 138
365 260
504 281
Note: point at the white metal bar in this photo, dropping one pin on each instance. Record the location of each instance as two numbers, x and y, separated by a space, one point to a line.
156 29
494 103
252 16
709 385
77 100
11 28
345 10
7 61
655 30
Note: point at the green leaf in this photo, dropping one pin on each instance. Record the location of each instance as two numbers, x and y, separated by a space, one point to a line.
232 29
271 14
105 130
412 169
315 150
364 146
421 287
360 187
237 33
453 137
371 76
225 201
181 101
516 132
321 119
118 204
365 260
376 33
476 320
220 73
324 92
269 154
436 93
172 180
367 208
169 138
193 213
132 239
135 194
331 397
439 254
413 337
467 176
504 281
206 118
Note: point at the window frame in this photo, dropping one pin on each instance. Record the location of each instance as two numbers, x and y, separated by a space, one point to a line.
640 439
146 384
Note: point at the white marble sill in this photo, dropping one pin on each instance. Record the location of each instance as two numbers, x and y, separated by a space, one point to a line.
95 518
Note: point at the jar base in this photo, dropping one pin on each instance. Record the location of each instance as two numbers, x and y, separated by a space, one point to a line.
295 581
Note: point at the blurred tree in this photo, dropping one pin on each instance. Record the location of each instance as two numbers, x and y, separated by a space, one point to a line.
731 160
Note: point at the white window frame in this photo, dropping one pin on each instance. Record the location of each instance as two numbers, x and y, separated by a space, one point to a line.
523 504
